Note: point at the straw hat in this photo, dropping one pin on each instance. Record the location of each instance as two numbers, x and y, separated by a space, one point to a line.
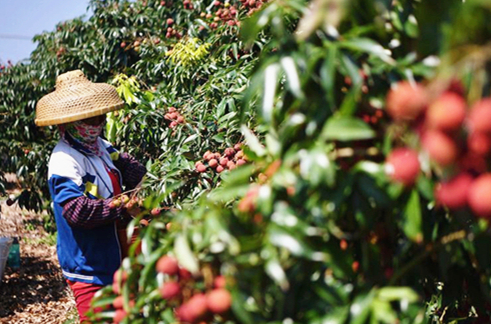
76 98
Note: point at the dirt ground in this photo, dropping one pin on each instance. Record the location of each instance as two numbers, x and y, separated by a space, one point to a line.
36 292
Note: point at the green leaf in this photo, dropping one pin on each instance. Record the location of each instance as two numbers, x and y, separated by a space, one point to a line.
391 294
346 129
369 46
361 307
269 93
184 254
413 219
288 65
275 271
252 141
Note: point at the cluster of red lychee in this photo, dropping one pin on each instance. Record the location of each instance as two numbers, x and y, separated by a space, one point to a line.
252 5
192 305
130 203
229 159
60 52
174 117
455 136
171 31
226 14
126 201
188 5
119 279
135 45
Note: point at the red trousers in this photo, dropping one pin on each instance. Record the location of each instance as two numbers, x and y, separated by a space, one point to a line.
83 293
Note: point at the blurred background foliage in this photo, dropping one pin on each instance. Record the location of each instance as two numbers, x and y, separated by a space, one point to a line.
310 229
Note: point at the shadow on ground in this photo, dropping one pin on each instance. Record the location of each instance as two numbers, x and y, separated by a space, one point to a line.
36 282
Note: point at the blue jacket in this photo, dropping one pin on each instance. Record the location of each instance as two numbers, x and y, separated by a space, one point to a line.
85 255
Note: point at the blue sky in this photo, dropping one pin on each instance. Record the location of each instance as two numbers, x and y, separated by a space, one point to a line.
20 20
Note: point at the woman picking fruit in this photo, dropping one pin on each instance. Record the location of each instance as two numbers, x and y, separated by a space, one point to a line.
85 173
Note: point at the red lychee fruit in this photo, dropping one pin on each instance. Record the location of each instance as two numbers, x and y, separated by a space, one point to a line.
208 155
230 165
223 161
201 167
194 309
453 193
219 282
213 163
168 265
184 274
219 300
170 290
220 169
239 154
229 151
118 302
170 21
241 162
119 315
405 102
115 203
478 196
155 211
479 143
447 112
479 119
473 162
402 165
440 147
120 276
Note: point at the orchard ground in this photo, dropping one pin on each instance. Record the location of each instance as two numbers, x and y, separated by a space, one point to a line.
36 292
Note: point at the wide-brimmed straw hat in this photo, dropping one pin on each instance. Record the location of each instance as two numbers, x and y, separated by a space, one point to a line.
76 98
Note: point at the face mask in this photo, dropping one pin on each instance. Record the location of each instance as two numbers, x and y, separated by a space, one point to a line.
85 133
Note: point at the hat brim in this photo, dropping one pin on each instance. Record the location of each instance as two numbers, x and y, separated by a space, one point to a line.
78 116
76 98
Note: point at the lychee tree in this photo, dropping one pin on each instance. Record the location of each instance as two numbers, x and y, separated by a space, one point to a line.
364 195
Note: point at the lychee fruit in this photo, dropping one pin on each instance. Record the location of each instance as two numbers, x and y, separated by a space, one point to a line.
402 165
479 119
170 290
405 101
478 196
119 315
479 143
201 167
118 302
219 300
213 163
447 112
440 147
194 309
184 274
219 282
167 265
453 193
